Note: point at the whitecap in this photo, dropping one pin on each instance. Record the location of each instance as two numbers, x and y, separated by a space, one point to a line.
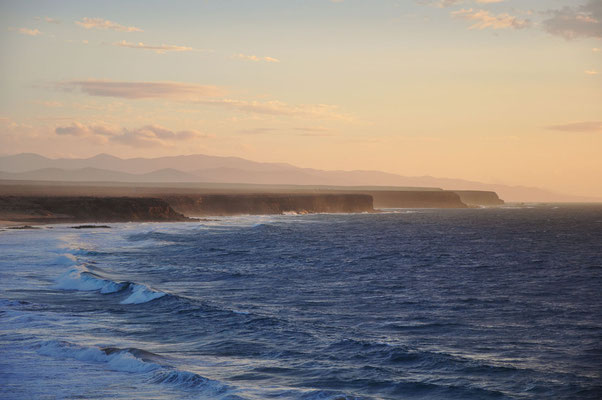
80 278
141 294
122 361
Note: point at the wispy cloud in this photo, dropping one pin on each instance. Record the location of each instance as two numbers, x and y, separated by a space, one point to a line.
257 131
199 94
575 22
146 136
256 59
450 3
278 108
591 72
48 19
100 23
484 19
143 90
49 104
586 126
298 131
27 31
313 131
159 49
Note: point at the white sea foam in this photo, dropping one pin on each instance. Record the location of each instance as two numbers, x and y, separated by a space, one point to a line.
123 360
79 278
141 294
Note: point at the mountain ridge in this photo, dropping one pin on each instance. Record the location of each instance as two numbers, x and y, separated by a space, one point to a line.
216 169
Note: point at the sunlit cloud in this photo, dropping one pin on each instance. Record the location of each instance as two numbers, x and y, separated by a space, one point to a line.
146 136
143 90
575 22
297 131
100 23
27 31
159 49
256 59
313 131
48 19
257 131
450 3
484 19
278 108
199 94
49 104
586 126
591 72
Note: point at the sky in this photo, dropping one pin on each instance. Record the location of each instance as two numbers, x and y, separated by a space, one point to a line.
497 91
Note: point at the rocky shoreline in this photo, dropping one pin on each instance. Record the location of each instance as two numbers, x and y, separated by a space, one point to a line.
33 204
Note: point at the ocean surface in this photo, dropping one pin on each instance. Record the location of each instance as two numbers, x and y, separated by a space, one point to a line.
499 303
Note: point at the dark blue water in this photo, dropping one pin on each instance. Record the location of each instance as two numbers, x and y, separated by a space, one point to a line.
427 304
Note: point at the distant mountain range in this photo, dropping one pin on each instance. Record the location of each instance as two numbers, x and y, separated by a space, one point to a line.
212 169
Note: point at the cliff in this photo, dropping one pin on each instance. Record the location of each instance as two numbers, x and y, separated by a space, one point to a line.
257 204
86 209
416 199
479 197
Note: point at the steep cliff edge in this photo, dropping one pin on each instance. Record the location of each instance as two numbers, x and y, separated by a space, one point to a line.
86 209
479 197
416 199
257 204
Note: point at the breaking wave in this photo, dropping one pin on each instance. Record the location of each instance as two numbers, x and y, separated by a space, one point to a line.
81 278
135 360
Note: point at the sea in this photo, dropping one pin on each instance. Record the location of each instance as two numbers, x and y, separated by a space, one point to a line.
490 303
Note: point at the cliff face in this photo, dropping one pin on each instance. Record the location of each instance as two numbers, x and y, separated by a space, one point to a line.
479 197
87 209
256 204
417 199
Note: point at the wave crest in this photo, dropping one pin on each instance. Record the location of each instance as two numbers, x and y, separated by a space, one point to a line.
81 279
135 361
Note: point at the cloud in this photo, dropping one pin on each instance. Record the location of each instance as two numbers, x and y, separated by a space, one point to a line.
48 19
146 136
49 104
312 129
596 50
576 22
278 108
143 90
257 131
75 129
586 126
303 131
257 59
315 131
483 19
450 3
159 49
100 23
27 31
199 94
591 72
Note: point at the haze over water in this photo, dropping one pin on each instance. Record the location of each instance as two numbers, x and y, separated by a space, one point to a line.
440 304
